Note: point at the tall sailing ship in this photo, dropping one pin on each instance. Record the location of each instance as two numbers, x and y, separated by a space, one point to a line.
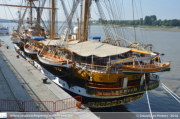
108 73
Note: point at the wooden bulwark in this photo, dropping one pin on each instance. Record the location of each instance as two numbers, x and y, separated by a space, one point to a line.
121 91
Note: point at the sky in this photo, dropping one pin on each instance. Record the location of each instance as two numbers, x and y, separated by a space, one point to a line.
163 9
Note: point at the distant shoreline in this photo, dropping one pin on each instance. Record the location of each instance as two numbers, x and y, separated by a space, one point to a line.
158 29
174 29
150 28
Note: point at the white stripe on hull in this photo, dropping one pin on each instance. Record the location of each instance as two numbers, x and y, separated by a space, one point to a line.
15 41
30 52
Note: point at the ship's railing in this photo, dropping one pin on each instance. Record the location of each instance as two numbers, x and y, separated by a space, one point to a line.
93 68
122 91
115 69
99 68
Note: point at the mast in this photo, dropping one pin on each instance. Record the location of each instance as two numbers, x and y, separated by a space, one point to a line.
29 5
85 20
30 13
22 20
80 28
52 20
38 21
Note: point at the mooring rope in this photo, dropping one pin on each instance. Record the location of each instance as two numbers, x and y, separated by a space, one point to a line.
171 92
148 101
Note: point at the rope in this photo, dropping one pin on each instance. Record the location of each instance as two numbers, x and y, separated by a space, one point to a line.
9 10
139 64
111 31
68 16
143 17
103 18
116 17
139 19
170 92
134 21
148 101
117 35
41 20
120 15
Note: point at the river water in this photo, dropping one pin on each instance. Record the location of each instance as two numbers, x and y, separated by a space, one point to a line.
164 42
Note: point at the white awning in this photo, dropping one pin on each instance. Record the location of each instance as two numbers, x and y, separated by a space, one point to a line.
88 48
48 42
55 42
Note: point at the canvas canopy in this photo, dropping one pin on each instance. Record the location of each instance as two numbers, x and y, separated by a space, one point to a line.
88 48
55 42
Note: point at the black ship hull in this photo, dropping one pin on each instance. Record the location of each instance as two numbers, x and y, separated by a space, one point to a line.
94 102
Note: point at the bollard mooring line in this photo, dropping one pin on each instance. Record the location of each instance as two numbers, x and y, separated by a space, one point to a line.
171 92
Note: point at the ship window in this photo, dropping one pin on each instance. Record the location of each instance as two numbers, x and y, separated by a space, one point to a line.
79 91
121 80
88 77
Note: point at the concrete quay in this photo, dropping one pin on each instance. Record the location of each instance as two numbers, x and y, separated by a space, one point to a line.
22 81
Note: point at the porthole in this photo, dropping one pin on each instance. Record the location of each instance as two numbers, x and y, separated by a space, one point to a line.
79 91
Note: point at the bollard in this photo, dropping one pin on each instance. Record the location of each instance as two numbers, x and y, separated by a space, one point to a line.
78 104
17 56
7 47
44 80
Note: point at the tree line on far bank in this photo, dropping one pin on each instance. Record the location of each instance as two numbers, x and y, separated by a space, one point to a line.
148 20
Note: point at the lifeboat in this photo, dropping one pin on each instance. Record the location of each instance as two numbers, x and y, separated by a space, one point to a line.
141 69
55 59
33 47
15 39
30 49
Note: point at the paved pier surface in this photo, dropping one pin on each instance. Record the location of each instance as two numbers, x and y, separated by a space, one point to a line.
22 81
